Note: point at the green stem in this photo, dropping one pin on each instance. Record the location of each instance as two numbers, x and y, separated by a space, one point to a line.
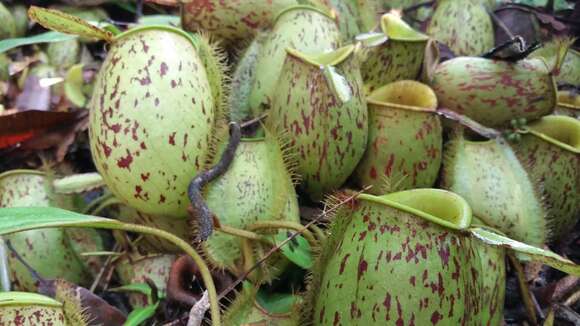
240 233
319 233
203 269
106 203
96 202
286 225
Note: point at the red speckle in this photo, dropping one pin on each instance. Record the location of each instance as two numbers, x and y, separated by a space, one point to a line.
161 199
163 69
373 173
125 162
387 305
145 176
106 149
143 146
362 268
343 264
336 318
172 139
412 280
436 317
116 128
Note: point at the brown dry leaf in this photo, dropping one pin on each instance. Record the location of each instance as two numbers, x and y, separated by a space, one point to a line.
22 126
98 311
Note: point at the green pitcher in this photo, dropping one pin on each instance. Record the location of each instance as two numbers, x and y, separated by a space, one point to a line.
320 104
506 197
404 150
494 92
50 252
550 152
303 28
398 57
464 26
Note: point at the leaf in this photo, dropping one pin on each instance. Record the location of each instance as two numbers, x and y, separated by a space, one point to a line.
140 315
73 86
526 251
297 251
142 288
337 83
29 218
47 37
276 303
22 126
68 24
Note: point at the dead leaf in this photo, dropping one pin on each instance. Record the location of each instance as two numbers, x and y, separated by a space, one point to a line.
34 96
21 126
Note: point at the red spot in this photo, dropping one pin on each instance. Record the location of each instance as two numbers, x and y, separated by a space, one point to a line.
125 162
373 173
145 176
116 128
143 145
387 305
436 317
343 264
106 149
362 268
389 166
172 139
161 199
412 280
400 321
163 69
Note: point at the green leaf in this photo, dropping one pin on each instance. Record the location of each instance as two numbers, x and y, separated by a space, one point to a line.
28 218
140 315
68 24
526 251
47 37
142 288
297 250
276 303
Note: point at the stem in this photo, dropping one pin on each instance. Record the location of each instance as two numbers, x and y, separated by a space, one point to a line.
96 202
240 233
525 292
106 203
286 225
319 233
247 254
201 211
203 269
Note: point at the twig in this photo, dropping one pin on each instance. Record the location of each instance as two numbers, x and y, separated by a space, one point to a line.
248 123
103 269
500 24
524 290
200 209
469 123
198 311
232 286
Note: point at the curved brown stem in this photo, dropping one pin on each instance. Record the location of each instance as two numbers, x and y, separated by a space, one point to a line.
198 205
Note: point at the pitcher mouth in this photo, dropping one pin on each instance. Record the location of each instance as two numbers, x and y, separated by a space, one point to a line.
397 29
406 95
561 131
330 15
439 206
332 58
